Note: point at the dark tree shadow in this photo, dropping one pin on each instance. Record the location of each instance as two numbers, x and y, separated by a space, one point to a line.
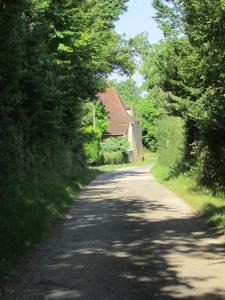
107 250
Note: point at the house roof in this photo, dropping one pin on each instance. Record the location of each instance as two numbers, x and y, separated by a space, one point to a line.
119 118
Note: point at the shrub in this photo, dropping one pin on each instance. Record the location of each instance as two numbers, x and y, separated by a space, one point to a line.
92 138
117 157
149 113
208 170
97 109
172 143
115 144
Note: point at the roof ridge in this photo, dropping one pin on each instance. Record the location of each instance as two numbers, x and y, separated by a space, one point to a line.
121 102
118 115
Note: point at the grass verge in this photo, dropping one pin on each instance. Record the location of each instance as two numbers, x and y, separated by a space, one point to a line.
34 210
202 199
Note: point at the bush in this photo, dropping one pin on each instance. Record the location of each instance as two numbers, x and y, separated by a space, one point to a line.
172 143
149 113
118 157
115 144
208 171
92 138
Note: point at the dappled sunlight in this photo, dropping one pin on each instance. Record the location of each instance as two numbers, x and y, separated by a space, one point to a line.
122 243
60 294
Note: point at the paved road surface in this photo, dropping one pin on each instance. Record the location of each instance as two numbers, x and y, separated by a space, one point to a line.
126 238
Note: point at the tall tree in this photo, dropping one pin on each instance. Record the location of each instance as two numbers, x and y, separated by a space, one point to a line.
55 55
192 75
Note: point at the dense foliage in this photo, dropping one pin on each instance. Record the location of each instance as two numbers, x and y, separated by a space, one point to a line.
114 150
94 123
94 114
171 143
187 68
149 112
92 139
54 55
113 158
115 144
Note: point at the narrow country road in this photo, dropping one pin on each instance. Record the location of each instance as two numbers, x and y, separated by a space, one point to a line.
126 238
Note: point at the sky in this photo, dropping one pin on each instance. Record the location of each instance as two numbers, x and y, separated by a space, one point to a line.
138 18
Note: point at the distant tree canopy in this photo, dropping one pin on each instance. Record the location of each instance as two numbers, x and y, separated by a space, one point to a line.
129 91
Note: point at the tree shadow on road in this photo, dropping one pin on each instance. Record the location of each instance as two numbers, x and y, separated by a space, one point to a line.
108 250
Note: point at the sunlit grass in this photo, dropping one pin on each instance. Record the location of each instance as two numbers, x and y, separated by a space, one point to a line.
199 197
33 211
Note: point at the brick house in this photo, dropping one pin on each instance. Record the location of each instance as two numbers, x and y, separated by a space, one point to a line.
122 121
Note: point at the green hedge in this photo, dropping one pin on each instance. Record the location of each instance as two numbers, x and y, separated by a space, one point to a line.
118 157
172 143
92 144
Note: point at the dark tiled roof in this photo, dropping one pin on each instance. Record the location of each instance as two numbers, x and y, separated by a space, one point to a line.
119 118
